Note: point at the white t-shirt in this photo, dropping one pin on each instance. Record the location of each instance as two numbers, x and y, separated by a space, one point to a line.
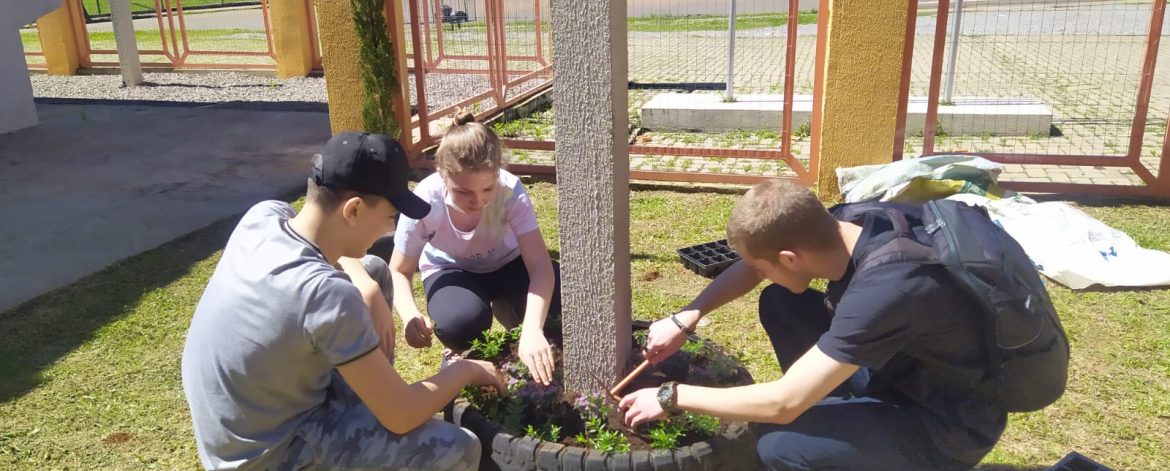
487 248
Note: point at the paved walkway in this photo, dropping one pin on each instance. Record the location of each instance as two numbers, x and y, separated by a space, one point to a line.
93 184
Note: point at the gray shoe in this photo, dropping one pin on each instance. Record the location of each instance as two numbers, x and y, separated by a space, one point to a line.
448 358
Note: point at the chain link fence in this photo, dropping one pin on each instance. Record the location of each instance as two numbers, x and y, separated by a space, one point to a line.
1081 61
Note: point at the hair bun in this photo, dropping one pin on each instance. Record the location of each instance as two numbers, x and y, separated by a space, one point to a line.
464 118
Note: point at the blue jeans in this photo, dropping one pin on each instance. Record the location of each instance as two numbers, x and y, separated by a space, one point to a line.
845 430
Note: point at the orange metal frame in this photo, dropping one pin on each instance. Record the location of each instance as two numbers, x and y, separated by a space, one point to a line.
1155 186
805 175
315 41
493 14
497 72
172 29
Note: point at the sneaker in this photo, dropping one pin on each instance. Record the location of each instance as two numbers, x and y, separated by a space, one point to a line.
448 357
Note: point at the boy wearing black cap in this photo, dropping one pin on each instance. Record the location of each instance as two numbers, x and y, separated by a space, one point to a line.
281 366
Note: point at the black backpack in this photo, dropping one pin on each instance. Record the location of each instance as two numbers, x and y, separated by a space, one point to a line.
1024 341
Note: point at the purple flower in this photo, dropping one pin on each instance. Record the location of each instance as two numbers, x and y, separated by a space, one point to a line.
582 403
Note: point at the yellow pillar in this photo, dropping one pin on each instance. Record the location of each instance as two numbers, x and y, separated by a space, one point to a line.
292 39
59 41
862 73
342 63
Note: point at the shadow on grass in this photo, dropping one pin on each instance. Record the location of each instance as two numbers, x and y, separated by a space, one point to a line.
36 334
1006 467
556 256
1099 201
646 185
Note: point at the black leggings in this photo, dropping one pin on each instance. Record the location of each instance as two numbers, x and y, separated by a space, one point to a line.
459 302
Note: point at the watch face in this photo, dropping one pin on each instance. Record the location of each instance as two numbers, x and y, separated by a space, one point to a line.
665 396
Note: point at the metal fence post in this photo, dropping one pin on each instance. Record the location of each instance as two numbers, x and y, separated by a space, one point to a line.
730 93
955 30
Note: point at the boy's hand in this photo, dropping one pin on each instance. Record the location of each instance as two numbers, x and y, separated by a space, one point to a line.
641 406
664 338
486 374
537 355
384 327
418 331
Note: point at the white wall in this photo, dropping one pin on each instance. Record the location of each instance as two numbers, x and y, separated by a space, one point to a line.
16 97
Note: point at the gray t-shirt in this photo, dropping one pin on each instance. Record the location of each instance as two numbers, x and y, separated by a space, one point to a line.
275 320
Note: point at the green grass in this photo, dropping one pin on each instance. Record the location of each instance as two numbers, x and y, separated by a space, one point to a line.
656 23
31 40
537 126
91 371
197 39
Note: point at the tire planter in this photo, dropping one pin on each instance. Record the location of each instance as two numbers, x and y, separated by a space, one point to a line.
733 449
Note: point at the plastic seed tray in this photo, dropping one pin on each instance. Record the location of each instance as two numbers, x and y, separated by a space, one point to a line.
709 259
1077 462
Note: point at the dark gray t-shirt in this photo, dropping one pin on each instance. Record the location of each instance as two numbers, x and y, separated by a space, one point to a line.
275 320
920 336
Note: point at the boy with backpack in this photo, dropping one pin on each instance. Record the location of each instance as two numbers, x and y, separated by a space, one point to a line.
934 326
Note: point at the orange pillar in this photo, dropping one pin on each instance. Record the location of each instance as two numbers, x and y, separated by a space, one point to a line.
292 37
59 41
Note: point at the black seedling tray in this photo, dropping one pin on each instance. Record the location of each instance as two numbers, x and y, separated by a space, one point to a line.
1077 462
709 259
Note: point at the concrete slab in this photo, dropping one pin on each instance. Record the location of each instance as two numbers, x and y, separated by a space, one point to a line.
707 112
93 184
976 115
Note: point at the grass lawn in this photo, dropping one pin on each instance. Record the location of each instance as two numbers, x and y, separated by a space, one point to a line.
237 40
715 22
91 371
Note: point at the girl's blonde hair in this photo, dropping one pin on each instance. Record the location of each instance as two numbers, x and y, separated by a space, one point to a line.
468 145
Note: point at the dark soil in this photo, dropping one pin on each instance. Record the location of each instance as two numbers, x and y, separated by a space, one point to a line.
700 363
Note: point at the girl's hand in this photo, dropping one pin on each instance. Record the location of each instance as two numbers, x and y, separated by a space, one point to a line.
537 355
418 331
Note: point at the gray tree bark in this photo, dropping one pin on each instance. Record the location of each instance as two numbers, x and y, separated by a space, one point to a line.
592 155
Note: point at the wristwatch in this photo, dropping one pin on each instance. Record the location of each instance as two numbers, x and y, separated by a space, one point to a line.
668 396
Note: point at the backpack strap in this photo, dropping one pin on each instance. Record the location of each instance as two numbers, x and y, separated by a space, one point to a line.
901 245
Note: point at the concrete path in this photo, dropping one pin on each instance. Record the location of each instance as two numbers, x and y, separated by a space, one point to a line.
246 18
93 184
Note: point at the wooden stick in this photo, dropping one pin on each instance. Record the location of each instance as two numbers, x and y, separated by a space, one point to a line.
626 381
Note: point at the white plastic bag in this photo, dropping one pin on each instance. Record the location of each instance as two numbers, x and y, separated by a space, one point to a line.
1074 249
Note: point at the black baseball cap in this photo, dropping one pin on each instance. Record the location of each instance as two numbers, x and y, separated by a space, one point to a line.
368 163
